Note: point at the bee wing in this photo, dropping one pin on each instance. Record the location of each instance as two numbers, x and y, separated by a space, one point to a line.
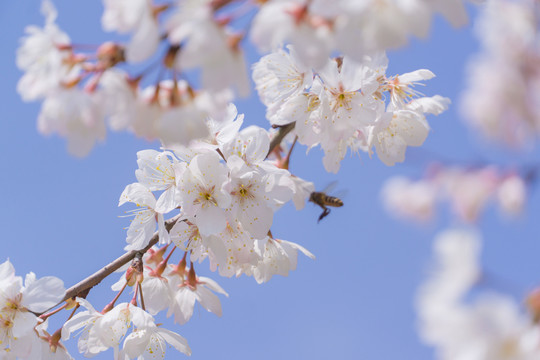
329 190
329 187
341 194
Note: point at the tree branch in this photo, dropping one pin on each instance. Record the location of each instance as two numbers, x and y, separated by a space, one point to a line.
95 278
283 131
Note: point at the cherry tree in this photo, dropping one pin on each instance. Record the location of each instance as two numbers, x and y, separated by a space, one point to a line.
211 183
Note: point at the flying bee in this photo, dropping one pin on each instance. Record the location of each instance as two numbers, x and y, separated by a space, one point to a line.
320 198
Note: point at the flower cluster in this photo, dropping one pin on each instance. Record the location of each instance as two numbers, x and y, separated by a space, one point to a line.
175 288
490 327
467 190
22 333
227 193
83 93
342 105
104 330
318 28
501 99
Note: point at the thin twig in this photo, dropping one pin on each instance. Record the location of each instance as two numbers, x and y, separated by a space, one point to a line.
283 131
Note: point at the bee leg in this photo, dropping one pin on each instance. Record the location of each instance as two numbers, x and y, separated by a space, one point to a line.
324 214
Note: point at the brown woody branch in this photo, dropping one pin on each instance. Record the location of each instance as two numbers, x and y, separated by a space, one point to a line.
95 278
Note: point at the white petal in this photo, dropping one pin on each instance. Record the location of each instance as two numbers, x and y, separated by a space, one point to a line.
166 201
418 75
135 343
75 323
144 42
177 341
23 323
184 301
412 127
7 271
44 293
256 217
433 105
212 285
210 220
209 300
138 194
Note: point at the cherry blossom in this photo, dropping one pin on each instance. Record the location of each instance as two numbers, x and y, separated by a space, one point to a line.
45 56
468 191
90 343
160 171
405 198
491 326
18 305
343 106
201 193
503 107
250 201
74 114
149 342
191 289
276 257
146 218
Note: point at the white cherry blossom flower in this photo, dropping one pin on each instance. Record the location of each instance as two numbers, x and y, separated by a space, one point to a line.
401 86
456 266
142 227
160 171
408 199
195 288
90 342
201 194
279 22
276 257
181 124
19 302
231 251
208 45
76 115
500 99
393 132
224 130
119 99
219 56
469 191
278 77
149 342
348 87
113 325
43 56
176 114
482 327
251 145
364 27
251 203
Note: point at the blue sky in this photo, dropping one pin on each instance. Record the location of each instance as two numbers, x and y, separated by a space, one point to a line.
355 301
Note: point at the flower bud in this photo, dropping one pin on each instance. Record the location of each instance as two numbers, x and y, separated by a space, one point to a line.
109 54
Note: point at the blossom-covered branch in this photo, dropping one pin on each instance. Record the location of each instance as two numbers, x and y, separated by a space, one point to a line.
113 266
